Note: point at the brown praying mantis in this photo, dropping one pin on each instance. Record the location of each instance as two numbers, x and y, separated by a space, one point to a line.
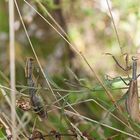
35 99
132 100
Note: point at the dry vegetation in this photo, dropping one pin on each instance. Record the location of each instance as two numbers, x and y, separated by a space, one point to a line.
64 83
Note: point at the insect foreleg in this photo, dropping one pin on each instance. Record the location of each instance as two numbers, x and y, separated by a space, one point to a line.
127 68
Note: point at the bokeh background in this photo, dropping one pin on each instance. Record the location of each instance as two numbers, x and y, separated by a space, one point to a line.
90 29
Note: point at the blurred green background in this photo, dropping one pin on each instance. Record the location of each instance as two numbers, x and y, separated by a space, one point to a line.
90 30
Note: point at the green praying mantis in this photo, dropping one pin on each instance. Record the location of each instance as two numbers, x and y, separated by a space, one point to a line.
132 99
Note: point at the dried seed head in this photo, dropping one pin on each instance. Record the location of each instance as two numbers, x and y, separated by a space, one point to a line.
37 135
23 104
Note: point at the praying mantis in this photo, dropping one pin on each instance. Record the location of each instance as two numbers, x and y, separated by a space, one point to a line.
132 100
35 99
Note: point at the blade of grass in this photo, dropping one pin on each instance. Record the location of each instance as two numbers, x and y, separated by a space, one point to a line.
93 100
12 66
50 88
47 12
9 103
83 57
69 105
10 124
72 47
102 124
7 129
78 131
78 52
108 93
114 26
